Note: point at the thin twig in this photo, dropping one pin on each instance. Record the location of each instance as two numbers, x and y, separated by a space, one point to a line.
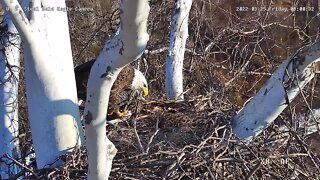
21 165
153 135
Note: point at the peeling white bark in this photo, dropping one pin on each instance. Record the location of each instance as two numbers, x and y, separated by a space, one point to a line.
50 83
178 38
282 87
9 80
117 52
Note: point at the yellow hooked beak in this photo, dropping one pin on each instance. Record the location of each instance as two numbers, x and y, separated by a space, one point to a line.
145 91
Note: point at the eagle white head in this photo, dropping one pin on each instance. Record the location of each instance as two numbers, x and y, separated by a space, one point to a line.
139 82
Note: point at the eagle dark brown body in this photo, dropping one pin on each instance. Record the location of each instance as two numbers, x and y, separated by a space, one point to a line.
122 83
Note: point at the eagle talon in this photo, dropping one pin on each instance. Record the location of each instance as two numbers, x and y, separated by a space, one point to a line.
123 114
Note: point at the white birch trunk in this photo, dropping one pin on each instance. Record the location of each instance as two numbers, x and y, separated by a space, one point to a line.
178 38
117 52
282 87
50 83
9 80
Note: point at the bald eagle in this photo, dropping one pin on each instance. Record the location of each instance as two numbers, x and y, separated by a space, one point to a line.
128 79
